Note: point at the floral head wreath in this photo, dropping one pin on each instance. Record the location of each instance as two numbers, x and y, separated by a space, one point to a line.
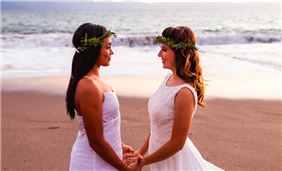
86 42
173 45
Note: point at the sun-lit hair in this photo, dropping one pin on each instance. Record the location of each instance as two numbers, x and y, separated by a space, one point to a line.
187 59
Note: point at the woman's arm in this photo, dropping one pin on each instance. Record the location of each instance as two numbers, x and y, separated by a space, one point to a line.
184 106
90 102
144 147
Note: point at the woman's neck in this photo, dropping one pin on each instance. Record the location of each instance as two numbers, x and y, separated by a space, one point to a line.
174 80
174 75
94 72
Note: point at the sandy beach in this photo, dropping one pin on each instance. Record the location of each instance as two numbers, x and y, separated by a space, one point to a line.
240 55
235 134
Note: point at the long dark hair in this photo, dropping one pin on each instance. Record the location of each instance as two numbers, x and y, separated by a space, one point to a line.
82 62
187 59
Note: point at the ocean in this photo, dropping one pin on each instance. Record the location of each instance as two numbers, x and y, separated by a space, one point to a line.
233 38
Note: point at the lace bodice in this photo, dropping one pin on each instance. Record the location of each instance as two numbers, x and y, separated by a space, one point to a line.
161 109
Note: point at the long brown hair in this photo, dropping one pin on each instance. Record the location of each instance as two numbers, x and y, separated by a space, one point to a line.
187 59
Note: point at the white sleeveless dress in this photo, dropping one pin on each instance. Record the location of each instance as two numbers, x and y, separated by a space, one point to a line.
161 111
83 157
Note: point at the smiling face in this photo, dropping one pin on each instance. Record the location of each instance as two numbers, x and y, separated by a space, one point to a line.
105 53
168 57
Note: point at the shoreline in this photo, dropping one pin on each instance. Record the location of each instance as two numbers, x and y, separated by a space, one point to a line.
143 86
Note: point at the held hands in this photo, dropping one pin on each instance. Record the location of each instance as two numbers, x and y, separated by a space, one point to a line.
132 158
138 164
129 158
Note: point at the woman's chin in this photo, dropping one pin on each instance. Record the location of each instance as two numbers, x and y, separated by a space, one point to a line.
106 64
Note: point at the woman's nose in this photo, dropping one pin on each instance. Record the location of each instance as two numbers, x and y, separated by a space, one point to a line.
159 54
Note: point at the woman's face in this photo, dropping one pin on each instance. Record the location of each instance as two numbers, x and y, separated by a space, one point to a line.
106 52
168 57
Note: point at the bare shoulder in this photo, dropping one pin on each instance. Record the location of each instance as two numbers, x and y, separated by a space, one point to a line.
184 96
86 87
185 93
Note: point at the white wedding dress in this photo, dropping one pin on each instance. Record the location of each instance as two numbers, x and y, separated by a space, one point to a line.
83 157
161 111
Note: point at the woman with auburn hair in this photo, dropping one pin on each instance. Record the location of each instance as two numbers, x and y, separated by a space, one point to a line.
173 106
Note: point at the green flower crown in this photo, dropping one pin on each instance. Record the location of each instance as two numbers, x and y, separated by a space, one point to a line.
173 45
94 41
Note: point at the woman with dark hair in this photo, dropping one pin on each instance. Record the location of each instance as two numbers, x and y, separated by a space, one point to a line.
173 106
98 144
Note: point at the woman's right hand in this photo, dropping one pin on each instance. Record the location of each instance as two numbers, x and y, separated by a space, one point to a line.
130 158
